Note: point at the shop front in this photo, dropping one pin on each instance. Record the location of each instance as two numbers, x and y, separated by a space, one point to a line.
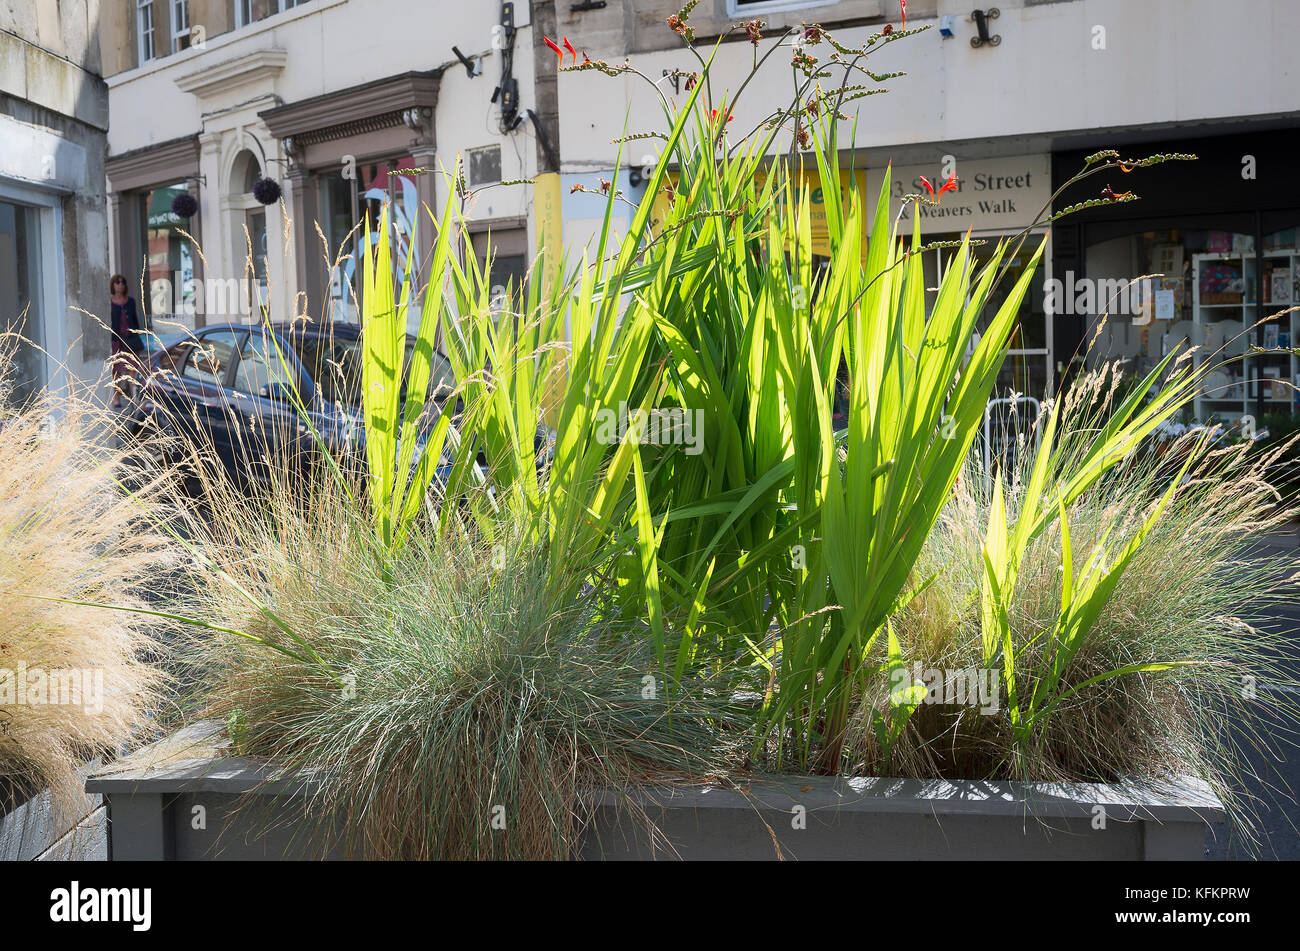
1208 258
155 247
997 200
351 153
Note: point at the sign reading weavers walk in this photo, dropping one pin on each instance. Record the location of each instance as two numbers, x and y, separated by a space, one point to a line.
993 194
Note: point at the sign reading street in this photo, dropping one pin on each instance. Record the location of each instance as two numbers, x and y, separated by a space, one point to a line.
996 194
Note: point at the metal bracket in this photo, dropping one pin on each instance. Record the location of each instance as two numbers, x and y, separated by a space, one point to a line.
472 66
981 18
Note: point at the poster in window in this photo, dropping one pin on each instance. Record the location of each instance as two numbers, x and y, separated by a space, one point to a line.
1280 286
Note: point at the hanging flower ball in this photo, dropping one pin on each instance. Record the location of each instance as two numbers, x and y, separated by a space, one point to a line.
184 205
266 190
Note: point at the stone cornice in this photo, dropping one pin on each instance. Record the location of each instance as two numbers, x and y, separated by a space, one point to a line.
344 129
255 67
165 162
341 113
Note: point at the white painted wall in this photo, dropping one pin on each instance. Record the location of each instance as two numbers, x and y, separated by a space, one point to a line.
1165 62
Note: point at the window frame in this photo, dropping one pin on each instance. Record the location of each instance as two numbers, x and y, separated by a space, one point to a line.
243 19
53 278
142 35
260 338
204 339
735 8
179 12
141 199
323 178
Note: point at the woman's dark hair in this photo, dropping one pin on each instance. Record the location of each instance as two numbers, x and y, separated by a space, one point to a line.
114 280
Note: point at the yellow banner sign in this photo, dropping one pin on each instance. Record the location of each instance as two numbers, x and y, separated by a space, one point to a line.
548 217
807 178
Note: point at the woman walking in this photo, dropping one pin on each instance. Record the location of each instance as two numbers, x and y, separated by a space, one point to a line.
128 342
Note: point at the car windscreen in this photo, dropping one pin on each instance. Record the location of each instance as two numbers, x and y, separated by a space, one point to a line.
334 364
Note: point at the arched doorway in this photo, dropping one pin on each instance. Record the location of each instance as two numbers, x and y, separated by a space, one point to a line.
248 224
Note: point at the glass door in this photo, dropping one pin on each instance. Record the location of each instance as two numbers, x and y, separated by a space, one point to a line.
1027 370
255 222
20 302
351 201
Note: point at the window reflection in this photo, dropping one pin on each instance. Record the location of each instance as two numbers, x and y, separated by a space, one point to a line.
20 305
168 255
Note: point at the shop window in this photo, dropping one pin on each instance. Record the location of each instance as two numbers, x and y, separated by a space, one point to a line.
1280 333
169 257
392 183
338 205
20 304
1147 293
248 226
349 198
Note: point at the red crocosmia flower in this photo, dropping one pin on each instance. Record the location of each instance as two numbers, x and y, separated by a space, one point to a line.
949 186
569 46
903 4
559 53
713 115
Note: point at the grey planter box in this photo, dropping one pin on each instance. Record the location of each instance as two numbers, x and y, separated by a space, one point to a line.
30 828
152 812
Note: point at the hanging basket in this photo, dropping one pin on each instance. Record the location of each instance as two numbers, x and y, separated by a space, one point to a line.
184 205
266 190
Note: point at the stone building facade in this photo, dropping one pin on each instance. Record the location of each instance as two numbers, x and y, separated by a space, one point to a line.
53 227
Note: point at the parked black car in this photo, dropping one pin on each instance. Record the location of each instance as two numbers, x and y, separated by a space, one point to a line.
226 389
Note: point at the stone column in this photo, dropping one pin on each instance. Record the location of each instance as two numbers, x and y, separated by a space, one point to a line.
424 157
209 233
304 208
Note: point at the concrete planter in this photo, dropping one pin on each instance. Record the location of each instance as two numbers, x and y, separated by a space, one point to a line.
153 808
